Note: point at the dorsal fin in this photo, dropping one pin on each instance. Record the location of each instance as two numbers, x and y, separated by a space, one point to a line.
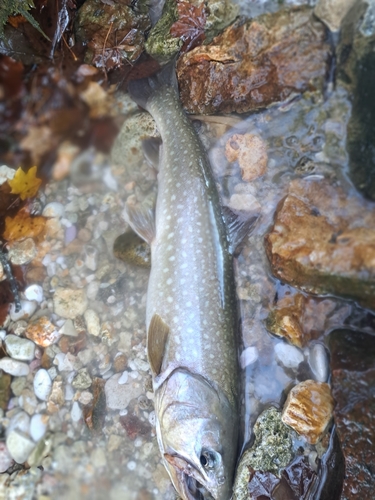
141 219
238 227
157 337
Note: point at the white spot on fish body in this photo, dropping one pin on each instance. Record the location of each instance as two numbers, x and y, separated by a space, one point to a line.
169 282
170 299
166 269
170 235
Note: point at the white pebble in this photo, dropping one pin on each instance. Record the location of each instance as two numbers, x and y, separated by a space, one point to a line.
249 356
20 421
13 367
6 174
69 392
76 412
19 348
34 292
5 459
53 209
131 465
318 361
124 378
92 322
109 180
19 446
27 310
69 329
38 426
3 334
288 355
85 397
42 384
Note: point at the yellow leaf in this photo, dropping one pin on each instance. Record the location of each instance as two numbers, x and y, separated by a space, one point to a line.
23 226
25 184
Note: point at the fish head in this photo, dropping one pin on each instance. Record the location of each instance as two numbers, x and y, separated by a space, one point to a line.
197 433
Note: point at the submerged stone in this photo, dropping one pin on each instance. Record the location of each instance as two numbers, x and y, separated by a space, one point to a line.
256 63
130 248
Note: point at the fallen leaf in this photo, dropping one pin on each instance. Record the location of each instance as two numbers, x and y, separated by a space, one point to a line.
25 184
23 226
190 24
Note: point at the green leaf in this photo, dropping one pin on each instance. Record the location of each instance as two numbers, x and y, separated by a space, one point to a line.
15 7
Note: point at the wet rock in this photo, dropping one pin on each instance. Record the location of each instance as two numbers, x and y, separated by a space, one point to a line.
13 367
323 241
356 70
53 209
120 362
5 459
308 409
42 384
19 348
28 401
288 355
68 329
27 310
94 414
34 292
249 356
161 45
114 33
254 64
82 380
19 446
5 381
38 426
119 395
286 320
69 303
57 396
250 152
318 361
42 332
245 203
22 252
353 388
130 248
134 426
20 422
332 12
92 322
6 174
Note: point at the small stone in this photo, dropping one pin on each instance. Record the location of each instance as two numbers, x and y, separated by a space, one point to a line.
22 252
20 422
119 395
38 426
92 290
286 319
318 361
76 412
6 174
19 446
5 459
68 329
53 209
92 322
251 153
85 397
5 385
42 450
288 355
82 380
332 12
249 356
91 257
13 367
130 248
42 332
120 362
134 426
19 348
18 385
27 310
246 203
69 303
42 384
28 401
98 458
308 409
57 396
84 235
34 292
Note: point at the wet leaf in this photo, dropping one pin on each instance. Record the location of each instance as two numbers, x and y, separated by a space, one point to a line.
25 184
15 7
190 25
23 226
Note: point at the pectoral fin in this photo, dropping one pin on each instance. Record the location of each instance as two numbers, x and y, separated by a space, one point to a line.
238 227
151 149
157 337
142 220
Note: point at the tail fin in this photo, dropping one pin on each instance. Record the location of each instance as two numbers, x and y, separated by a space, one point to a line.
142 90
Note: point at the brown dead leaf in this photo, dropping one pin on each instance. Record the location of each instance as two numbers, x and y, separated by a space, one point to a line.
190 24
23 226
25 184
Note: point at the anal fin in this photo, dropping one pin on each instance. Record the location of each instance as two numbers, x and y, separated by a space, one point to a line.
157 336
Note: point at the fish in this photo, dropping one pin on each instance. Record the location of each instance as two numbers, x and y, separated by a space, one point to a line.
191 311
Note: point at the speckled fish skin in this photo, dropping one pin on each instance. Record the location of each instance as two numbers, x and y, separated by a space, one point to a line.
191 288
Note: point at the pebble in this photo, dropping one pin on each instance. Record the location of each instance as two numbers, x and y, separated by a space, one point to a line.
92 290
76 412
34 292
28 401
19 348
124 378
42 332
91 258
2 274
19 446
119 395
288 355
5 459
20 422
38 426
69 303
98 458
249 356
82 380
28 308
318 361
251 153
92 322
42 384
244 202
14 367
22 252
6 174
68 328
53 209
85 397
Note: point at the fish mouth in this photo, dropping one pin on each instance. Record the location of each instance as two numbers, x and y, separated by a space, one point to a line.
194 490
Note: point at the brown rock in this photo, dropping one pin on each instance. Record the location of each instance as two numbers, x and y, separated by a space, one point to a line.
286 320
323 241
94 414
254 64
308 409
120 362
134 426
42 332
56 398
250 152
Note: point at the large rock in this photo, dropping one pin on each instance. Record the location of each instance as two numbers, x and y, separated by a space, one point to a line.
353 387
255 63
323 241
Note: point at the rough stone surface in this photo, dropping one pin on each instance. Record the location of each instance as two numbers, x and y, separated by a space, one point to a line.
19 348
308 409
5 459
332 12
42 332
251 153
14 367
353 387
254 64
119 395
19 446
92 322
324 242
42 384
22 252
82 380
69 303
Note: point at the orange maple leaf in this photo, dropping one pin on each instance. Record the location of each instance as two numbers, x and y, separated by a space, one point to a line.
25 184
23 226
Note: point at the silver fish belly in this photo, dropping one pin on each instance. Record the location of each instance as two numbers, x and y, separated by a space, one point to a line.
191 311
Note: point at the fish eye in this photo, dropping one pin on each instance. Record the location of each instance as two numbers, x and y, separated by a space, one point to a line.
208 459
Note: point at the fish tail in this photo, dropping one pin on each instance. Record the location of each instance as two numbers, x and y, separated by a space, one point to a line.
141 91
